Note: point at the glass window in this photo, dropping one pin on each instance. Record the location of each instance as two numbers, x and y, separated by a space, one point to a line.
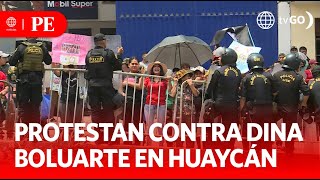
108 31
82 31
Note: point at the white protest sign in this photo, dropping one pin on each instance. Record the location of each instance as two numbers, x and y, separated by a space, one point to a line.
113 42
243 52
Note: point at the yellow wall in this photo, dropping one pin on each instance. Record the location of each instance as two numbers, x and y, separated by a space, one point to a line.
300 36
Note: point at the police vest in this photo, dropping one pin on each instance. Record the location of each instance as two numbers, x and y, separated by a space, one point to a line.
32 57
259 89
315 94
96 64
228 85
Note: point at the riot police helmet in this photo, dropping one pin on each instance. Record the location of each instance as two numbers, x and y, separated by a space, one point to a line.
292 61
229 57
255 61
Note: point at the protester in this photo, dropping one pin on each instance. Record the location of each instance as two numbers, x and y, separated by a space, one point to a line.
70 95
131 89
185 66
199 75
156 88
4 65
118 78
276 65
304 50
170 104
144 63
293 49
3 91
303 65
188 109
312 64
215 64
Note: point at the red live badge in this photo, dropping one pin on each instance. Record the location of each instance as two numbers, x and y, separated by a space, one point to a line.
32 24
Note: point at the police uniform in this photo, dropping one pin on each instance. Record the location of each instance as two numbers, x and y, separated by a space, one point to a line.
28 58
257 89
224 91
314 99
100 64
289 83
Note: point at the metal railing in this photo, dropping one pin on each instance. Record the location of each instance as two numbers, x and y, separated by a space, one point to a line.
136 99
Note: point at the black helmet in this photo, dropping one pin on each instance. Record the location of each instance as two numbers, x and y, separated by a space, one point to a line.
292 61
229 57
316 71
255 61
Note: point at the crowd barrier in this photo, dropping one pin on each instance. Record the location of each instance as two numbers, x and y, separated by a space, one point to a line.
133 106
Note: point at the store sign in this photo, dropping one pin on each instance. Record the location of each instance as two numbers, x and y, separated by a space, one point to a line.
74 9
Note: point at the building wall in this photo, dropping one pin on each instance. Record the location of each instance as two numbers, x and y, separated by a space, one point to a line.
151 21
300 36
107 18
284 30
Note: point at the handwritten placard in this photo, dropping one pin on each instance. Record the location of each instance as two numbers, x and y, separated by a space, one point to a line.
71 49
243 52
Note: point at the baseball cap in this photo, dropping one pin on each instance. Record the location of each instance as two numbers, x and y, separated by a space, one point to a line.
2 54
313 61
99 37
198 68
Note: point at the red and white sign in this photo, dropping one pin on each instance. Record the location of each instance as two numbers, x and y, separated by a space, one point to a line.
32 24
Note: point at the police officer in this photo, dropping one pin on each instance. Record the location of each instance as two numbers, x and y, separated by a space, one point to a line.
28 58
100 64
314 99
257 91
224 91
289 84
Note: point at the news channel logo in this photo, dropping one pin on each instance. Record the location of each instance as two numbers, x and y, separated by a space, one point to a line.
266 20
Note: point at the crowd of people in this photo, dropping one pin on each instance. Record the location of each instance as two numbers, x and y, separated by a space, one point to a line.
143 91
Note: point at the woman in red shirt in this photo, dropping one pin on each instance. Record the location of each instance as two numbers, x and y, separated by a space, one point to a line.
156 89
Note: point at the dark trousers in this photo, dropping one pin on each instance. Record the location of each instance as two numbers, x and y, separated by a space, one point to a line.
262 114
229 114
100 101
288 119
29 97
